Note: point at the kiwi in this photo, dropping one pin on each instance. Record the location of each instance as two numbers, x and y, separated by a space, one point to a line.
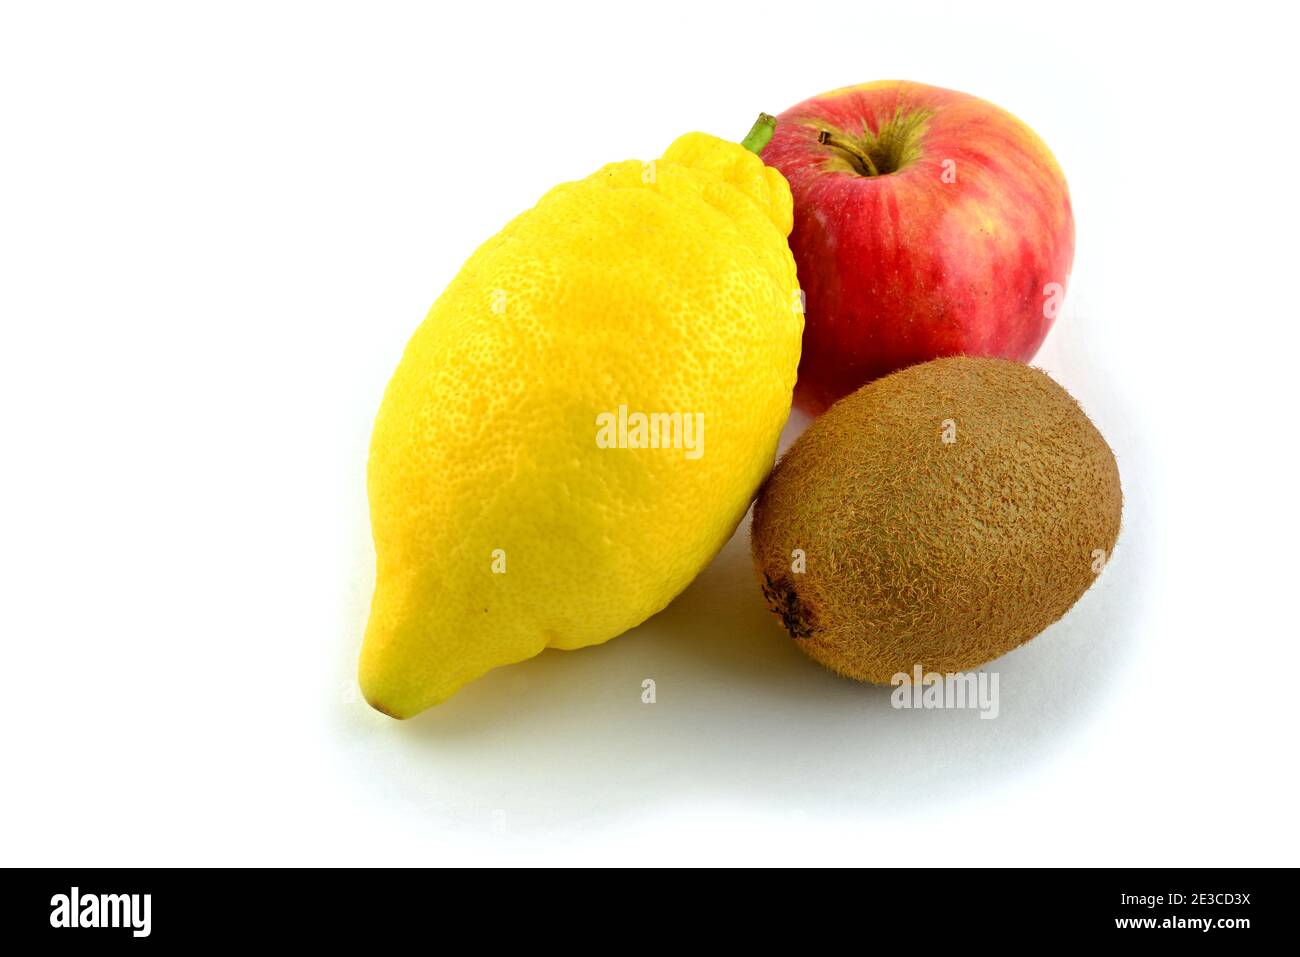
939 517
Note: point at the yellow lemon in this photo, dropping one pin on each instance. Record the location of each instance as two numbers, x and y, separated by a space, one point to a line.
582 420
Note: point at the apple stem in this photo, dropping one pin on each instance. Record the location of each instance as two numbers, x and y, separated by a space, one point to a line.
760 134
860 157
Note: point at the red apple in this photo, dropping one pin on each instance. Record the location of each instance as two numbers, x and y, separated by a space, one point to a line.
927 223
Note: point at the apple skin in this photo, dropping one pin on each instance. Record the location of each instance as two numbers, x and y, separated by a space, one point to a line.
934 259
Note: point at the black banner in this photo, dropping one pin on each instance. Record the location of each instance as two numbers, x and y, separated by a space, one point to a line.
132 908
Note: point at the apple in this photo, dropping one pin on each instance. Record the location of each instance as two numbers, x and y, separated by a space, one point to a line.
927 223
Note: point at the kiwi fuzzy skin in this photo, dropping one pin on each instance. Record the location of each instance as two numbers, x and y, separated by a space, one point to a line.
918 550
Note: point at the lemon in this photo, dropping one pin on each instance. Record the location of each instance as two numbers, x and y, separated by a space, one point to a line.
582 420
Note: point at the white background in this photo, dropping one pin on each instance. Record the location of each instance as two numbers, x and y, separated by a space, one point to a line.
219 223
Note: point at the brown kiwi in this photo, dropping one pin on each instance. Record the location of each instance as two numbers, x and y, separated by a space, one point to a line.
938 517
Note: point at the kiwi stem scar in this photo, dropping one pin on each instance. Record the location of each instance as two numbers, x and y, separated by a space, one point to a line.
784 602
